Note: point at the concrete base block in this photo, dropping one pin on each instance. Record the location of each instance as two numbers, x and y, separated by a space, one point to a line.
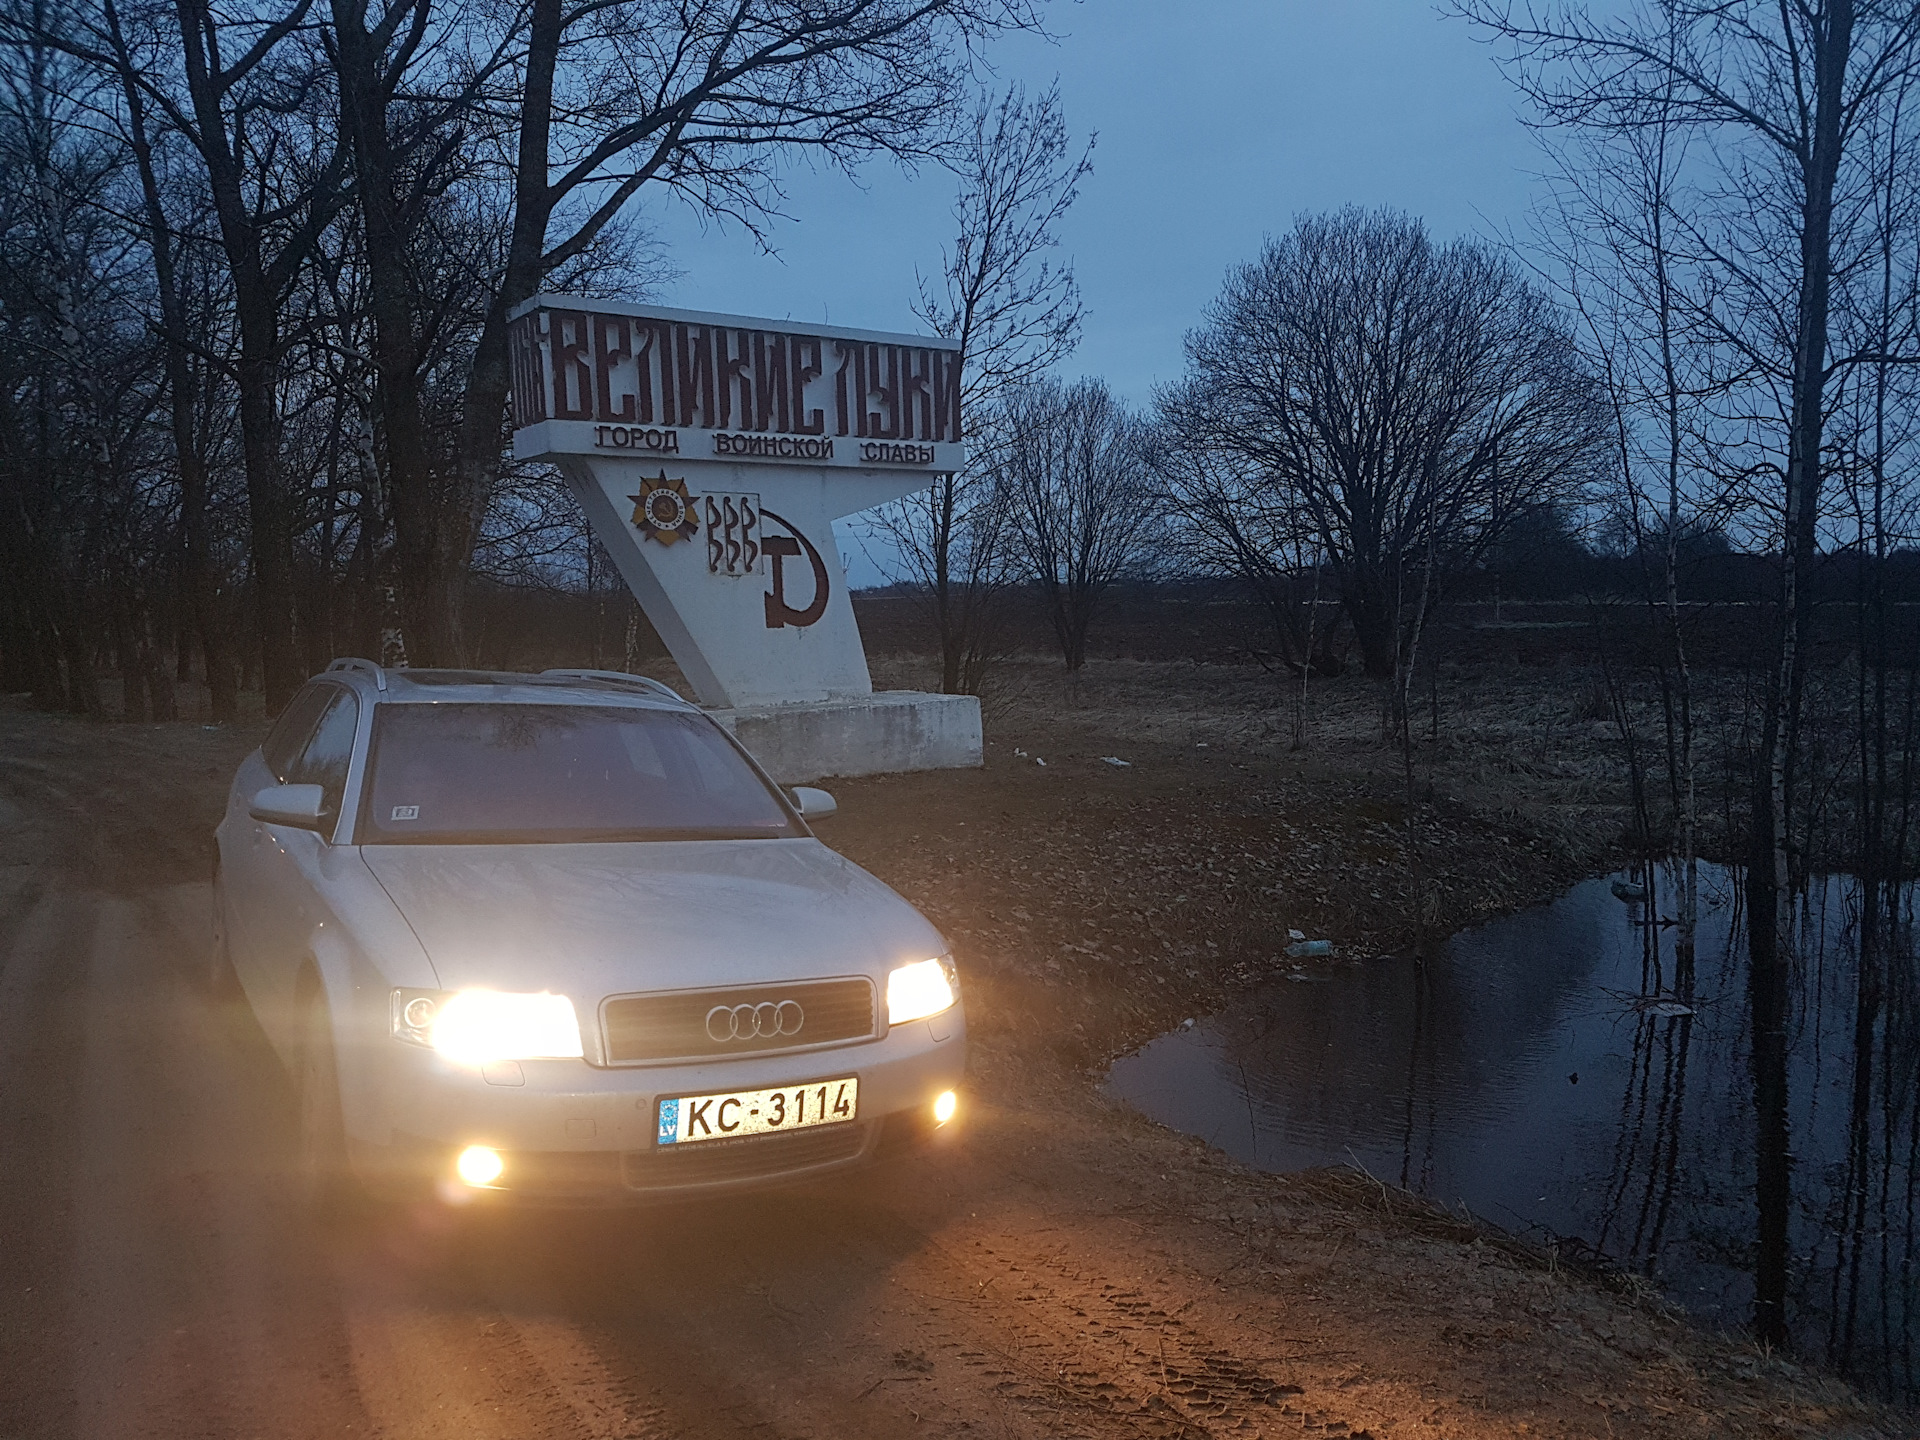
864 735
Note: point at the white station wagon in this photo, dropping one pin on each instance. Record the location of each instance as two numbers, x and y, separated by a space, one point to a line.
558 938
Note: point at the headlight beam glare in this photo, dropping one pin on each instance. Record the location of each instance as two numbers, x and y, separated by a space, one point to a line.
916 991
479 1165
477 1027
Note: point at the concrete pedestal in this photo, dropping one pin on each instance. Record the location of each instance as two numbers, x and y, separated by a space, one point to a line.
874 734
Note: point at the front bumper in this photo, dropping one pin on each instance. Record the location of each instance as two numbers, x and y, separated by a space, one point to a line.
573 1133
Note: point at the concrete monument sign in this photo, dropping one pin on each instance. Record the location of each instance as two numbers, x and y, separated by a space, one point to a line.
712 454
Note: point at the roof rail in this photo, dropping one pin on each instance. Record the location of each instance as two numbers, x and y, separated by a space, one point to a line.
354 662
619 677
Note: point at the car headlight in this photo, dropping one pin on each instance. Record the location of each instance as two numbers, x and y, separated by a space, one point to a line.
477 1027
923 988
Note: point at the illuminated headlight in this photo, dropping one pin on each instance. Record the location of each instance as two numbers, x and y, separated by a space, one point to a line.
923 988
477 1027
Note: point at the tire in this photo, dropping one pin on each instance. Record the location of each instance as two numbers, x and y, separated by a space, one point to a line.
320 1171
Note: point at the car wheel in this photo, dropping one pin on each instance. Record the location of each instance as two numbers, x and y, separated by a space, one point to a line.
221 980
321 1165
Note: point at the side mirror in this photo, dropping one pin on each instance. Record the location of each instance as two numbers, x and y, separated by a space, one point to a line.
813 804
302 806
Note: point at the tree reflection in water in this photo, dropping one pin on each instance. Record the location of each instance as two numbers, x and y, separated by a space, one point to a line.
1571 1072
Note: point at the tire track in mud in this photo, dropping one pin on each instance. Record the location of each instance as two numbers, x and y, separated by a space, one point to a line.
733 1318
603 1407
1082 1354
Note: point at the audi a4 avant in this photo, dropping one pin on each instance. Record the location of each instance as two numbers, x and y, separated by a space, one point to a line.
557 938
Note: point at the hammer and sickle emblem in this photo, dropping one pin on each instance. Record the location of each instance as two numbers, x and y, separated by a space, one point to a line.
781 548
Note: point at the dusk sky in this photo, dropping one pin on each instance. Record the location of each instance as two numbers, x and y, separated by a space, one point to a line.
1218 122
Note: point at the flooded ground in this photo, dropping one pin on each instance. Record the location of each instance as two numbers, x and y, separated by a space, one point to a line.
1551 1073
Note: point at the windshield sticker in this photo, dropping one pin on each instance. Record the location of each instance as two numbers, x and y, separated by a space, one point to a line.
406 812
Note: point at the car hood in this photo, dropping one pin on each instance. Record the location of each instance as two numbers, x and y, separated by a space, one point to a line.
596 920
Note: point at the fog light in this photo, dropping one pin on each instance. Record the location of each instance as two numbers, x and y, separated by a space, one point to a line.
944 1107
479 1165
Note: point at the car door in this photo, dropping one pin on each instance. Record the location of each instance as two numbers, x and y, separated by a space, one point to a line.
288 884
249 855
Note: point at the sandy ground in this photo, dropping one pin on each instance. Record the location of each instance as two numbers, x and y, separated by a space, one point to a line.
1068 1270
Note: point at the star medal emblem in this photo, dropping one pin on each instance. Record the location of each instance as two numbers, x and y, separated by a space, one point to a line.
664 511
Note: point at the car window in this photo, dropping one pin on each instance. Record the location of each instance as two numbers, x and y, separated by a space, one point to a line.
291 730
456 774
323 760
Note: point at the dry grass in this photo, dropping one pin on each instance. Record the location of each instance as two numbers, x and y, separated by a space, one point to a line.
1122 900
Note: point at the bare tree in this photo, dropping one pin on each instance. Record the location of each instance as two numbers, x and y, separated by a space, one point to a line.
1234 521
700 98
183 358
1016 315
1394 397
411 78
1788 97
276 188
1872 436
1082 510
1620 256
70 419
246 97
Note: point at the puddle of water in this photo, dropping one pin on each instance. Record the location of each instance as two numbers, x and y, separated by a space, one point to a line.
1539 1071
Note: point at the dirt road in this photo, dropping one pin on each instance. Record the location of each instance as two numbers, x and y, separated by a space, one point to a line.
1068 1271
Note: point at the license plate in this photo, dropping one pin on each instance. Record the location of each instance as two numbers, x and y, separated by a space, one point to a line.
685 1119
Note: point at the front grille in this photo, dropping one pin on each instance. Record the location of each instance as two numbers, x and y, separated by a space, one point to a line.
756 1157
673 1025
560 1175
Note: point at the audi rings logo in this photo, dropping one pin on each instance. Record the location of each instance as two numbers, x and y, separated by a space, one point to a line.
765 1021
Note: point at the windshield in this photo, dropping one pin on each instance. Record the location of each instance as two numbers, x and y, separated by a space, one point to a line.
505 774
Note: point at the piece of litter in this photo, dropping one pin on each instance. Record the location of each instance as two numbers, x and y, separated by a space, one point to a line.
1186 1024
1018 751
1117 762
1200 745
1309 949
1296 934
1669 1009
1038 761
